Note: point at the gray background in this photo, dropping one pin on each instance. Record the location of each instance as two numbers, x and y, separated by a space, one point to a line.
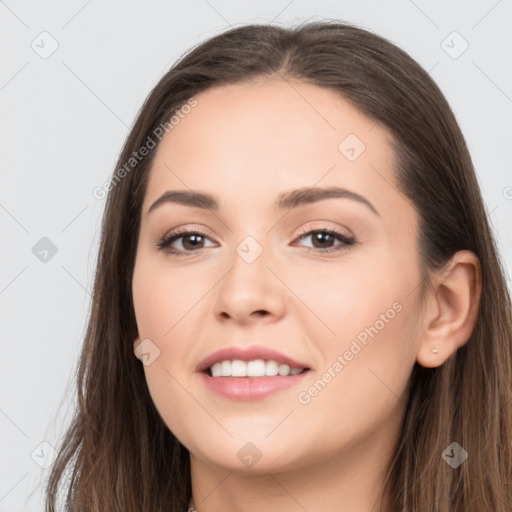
66 115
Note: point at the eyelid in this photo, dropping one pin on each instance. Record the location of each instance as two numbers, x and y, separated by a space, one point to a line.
181 232
325 227
177 233
304 230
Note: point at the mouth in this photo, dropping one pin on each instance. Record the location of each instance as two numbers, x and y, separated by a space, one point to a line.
251 373
252 361
254 369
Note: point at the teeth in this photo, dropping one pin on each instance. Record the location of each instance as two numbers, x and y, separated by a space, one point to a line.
284 369
271 368
238 368
256 368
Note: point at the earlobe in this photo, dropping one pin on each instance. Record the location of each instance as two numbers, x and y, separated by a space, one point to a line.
137 349
454 297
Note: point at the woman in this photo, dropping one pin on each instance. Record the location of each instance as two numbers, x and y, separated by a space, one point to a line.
296 250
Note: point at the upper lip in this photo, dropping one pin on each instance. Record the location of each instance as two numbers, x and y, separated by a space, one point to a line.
247 354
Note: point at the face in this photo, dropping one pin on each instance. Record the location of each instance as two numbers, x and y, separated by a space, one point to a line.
329 281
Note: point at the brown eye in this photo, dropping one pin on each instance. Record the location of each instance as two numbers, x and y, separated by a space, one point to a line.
323 239
191 241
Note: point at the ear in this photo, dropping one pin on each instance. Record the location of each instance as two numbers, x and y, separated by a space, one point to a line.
137 348
451 309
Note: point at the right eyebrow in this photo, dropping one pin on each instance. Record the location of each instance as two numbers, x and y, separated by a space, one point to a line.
190 198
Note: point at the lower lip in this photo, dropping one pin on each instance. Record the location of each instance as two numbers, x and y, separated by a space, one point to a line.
250 388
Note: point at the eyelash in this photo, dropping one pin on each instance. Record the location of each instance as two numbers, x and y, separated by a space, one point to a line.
166 241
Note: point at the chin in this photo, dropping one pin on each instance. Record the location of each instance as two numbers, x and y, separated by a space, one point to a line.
249 457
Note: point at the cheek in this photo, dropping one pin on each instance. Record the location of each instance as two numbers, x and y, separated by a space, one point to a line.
367 342
363 386
169 310
346 296
164 298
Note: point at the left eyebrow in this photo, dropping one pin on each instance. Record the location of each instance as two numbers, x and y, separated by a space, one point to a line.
286 200
304 196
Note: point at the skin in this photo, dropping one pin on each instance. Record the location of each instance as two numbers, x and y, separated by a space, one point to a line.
246 144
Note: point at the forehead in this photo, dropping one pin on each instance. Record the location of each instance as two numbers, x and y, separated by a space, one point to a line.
258 137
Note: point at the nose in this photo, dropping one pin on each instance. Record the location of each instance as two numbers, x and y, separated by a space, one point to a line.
251 291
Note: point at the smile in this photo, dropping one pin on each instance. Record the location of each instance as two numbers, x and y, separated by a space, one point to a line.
253 369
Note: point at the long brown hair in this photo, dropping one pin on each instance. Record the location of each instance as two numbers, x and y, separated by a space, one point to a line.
119 455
